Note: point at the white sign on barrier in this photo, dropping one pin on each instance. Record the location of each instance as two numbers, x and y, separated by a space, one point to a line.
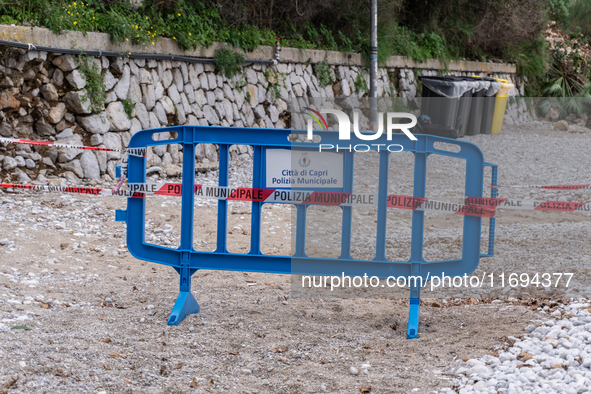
292 168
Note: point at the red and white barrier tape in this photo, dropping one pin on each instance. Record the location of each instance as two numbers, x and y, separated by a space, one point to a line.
428 205
551 187
473 206
529 205
259 195
131 151
283 196
120 183
95 191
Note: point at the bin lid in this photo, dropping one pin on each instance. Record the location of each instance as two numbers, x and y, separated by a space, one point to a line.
506 86
451 87
494 86
493 89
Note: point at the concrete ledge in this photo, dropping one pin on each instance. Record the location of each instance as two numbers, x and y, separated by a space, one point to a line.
164 46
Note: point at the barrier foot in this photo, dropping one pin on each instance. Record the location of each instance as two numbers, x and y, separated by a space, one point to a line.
185 305
413 318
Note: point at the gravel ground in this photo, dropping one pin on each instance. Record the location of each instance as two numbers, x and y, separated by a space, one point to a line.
79 314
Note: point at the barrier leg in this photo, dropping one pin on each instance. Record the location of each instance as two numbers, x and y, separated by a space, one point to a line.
413 318
185 303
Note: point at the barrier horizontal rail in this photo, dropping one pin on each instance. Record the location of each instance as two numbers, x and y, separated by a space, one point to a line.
141 152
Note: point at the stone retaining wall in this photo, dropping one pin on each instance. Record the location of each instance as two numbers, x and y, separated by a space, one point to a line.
43 97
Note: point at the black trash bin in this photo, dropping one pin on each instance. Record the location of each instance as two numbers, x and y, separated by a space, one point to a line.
446 100
482 108
488 106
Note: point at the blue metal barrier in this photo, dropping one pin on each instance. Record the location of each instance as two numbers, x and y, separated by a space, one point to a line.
186 260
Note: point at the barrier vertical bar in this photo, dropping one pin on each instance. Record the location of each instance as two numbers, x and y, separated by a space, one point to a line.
300 243
186 303
382 207
255 220
348 167
492 221
222 204
418 228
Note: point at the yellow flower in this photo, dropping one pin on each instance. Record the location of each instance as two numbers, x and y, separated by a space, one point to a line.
174 38
189 33
146 18
129 53
75 22
93 17
138 35
179 12
74 3
127 39
153 43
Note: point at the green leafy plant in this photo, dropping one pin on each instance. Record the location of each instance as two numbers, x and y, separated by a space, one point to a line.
560 9
579 19
360 85
227 62
566 86
26 12
276 80
95 83
472 29
324 73
240 83
7 20
128 107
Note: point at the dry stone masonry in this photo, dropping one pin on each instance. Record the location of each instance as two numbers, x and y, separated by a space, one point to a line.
45 97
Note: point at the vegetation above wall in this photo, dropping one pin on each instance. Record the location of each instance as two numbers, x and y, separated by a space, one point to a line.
503 30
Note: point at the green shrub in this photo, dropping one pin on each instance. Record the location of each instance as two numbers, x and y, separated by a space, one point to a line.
360 85
560 9
444 29
276 80
579 18
128 107
227 62
7 20
323 73
95 83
